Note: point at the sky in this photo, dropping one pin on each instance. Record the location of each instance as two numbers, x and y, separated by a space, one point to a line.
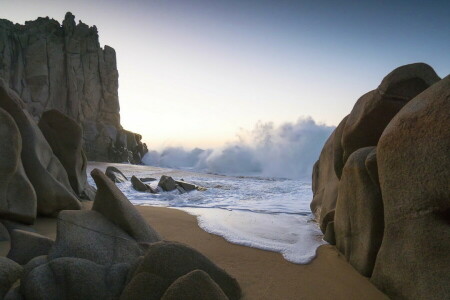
193 73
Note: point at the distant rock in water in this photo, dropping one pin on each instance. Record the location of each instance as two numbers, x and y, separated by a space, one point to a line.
54 66
381 185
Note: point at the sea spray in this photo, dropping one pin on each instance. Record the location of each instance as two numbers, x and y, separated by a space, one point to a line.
285 151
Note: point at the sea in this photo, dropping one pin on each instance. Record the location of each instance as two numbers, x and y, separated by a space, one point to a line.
268 213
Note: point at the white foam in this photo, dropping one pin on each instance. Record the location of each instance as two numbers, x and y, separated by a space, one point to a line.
296 237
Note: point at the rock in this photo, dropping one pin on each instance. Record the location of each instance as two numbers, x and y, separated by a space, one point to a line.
358 220
196 285
65 137
115 175
338 151
74 278
329 235
27 245
10 272
144 286
171 260
374 110
189 186
4 235
148 179
139 186
115 207
13 294
11 225
167 183
414 170
89 235
44 170
17 196
63 66
325 184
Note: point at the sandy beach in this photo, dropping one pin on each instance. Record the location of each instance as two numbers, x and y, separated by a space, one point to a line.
262 274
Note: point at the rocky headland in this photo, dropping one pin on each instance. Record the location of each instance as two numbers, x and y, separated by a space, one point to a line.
382 185
62 66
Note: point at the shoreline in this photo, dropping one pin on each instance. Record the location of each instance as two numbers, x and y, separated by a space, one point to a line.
262 274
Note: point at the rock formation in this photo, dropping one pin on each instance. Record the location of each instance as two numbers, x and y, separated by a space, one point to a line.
54 66
65 137
414 170
381 185
44 170
17 196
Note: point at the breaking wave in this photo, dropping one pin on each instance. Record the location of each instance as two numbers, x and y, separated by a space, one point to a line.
285 151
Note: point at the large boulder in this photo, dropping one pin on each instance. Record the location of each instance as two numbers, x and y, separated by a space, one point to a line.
17 196
414 171
196 285
374 110
338 150
10 272
170 261
89 235
144 286
74 278
65 136
325 185
27 245
44 170
115 207
358 220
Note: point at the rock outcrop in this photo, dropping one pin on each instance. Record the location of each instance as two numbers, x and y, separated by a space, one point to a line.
10 272
62 66
414 169
44 170
27 245
17 195
386 205
168 261
358 221
65 137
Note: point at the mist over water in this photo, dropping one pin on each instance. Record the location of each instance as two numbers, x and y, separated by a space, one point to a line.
285 151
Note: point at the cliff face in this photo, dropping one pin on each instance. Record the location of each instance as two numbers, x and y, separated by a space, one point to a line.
54 66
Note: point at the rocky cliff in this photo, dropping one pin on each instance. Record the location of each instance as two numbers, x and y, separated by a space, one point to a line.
381 185
63 67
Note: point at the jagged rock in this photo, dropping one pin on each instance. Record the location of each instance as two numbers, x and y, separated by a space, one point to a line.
89 235
171 260
44 170
196 285
324 184
54 66
65 137
374 110
358 220
115 175
10 272
115 207
74 278
167 183
17 196
27 245
414 170
138 185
